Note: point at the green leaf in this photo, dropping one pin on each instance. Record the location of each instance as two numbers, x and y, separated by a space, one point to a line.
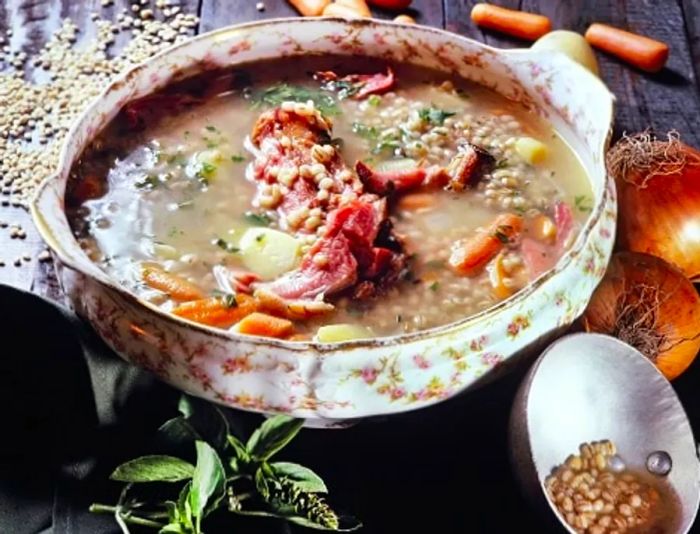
238 448
208 480
261 484
302 477
435 116
274 96
186 405
273 435
237 158
156 468
206 420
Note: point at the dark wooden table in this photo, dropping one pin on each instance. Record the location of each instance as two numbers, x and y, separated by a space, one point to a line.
464 484
668 100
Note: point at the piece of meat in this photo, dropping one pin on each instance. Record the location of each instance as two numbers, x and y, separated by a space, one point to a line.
362 85
540 257
564 221
386 182
329 267
356 243
464 169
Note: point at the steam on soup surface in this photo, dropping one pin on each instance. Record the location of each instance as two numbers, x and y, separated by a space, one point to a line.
301 200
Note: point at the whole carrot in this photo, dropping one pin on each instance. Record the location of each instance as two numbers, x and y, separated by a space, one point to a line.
310 8
642 52
530 26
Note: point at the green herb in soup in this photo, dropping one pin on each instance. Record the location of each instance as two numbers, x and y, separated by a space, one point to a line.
355 202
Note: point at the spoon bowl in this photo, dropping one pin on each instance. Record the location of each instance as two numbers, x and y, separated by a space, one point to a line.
592 387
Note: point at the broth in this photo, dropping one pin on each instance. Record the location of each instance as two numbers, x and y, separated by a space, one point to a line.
172 185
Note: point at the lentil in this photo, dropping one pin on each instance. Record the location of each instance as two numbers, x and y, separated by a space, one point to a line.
45 111
594 499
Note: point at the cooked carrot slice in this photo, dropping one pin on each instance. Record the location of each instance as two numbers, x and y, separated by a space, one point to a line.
176 287
470 256
262 324
217 311
416 201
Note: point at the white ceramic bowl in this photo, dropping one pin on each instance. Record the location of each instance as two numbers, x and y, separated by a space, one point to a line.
327 382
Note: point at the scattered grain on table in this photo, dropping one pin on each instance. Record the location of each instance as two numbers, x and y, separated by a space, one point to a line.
39 109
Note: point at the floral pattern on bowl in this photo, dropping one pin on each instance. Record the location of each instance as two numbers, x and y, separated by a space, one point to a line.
348 380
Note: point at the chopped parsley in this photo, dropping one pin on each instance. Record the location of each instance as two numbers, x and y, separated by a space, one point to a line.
175 231
583 203
435 116
229 300
374 100
344 88
205 171
211 128
364 131
211 143
434 286
274 96
259 238
257 219
238 158
501 164
502 233
149 181
225 245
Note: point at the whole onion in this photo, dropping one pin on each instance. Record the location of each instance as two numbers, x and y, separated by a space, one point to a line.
658 183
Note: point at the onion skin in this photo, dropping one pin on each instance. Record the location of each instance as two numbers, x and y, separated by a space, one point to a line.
677 309
662 217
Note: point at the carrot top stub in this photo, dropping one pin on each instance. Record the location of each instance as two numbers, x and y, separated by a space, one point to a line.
529 26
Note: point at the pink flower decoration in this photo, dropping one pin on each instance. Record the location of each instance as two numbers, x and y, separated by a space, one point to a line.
421 362
491 359
369 375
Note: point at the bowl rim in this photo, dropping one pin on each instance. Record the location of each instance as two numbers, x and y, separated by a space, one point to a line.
328 347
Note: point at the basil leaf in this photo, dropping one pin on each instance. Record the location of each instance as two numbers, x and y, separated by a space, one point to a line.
303 477
176 434
272 436
155 468
206 419
239 448
208 480
261 484
284 92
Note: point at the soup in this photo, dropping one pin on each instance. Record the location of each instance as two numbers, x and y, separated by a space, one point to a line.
299 199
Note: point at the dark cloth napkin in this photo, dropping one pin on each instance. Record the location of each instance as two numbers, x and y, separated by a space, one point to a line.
73 410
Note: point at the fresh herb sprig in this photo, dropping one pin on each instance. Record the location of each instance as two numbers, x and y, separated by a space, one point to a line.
229 477
274 96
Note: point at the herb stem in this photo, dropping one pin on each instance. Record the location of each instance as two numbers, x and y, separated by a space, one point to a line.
126 517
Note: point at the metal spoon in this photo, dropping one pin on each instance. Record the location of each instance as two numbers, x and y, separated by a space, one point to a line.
590 387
